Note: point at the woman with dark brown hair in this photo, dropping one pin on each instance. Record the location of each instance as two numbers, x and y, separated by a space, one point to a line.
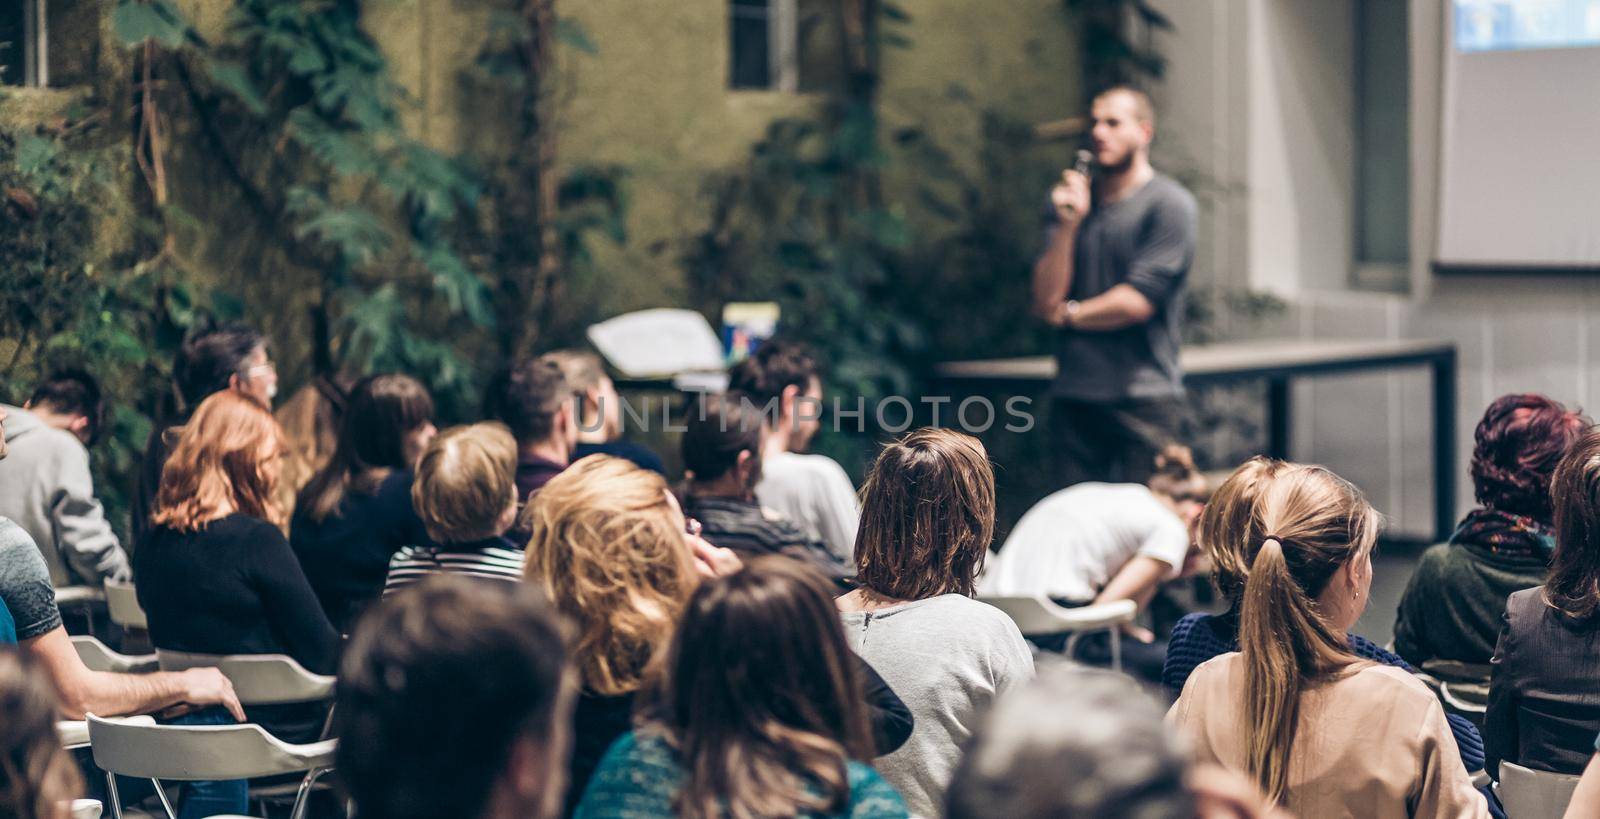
756 711
926 522
37 778
1544 706
357 512
216 576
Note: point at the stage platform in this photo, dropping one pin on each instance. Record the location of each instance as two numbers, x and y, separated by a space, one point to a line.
1277 362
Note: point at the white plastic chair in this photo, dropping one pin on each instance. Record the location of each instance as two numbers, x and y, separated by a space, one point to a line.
187 753
86 809
1039 617
122 604
98 656
258 679
1529 794
74 733
80 597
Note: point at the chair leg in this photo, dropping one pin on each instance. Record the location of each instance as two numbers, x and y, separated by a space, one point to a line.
1070 649
1116 649
161 793
111 793
304 795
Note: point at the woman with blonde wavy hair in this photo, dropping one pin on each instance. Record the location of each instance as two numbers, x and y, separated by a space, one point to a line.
1321 731
37 778
613 551
216 575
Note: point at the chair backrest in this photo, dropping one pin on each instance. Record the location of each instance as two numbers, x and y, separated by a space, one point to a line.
1038 617
78 595
74 733
98 656
122 603
1529 794
198 752
86 808
258 679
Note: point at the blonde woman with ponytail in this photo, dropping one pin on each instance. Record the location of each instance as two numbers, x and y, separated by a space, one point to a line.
1321 731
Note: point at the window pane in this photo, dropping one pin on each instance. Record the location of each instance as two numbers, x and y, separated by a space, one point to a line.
749 57
1383 163
12 60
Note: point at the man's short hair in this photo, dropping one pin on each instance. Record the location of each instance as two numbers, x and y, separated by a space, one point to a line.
73 392
210 357
775 365
718 428
437 685
1143 108
1072 743
582 368
526 398
466 479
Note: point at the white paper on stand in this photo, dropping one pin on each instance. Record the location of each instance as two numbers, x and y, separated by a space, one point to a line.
658 343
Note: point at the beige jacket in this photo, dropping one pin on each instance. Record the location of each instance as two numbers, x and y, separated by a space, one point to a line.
1373 744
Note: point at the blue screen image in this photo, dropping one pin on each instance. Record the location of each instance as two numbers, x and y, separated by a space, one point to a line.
1510 25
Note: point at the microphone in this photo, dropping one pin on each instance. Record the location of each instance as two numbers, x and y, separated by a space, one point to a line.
1083 162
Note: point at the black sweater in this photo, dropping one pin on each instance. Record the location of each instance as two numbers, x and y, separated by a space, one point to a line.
346 555
232 587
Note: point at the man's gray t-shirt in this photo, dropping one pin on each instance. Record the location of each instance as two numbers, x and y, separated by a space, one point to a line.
1145 240
25 583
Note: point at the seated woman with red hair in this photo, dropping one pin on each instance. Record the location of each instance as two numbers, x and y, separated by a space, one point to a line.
1453 606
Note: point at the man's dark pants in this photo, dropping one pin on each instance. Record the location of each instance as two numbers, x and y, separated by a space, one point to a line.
1114 441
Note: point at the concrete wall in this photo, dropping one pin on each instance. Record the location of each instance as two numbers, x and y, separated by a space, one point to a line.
1293 206
655 99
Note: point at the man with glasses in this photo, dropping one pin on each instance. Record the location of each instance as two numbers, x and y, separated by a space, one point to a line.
226 357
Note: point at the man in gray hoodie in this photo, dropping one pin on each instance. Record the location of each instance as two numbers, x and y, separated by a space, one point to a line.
46 487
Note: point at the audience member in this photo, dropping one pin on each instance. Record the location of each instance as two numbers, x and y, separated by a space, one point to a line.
357 512
229 357
466 496
810 490
45 484
29 603
1227 527
216 576
37 777
759 712
599 410
310 418
1456 599
613 551
1544 705
1320 730
535 401
1124 762
1102 542
454 701
928 517
722 445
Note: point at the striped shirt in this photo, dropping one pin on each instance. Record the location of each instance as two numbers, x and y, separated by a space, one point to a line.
494 559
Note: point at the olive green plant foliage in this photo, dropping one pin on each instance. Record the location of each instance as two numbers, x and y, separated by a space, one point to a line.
296 104
66 302
1115 38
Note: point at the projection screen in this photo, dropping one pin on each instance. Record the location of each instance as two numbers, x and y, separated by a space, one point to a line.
1520 166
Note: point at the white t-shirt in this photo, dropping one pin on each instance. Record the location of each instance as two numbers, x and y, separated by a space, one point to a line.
1073 542
815 494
